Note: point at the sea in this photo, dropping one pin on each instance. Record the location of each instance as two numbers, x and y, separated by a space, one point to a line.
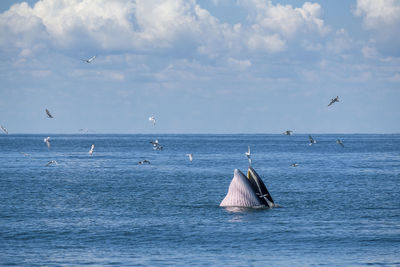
339 207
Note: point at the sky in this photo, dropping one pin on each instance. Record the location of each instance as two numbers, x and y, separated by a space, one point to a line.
200 66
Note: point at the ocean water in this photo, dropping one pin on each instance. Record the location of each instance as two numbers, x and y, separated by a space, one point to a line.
339 207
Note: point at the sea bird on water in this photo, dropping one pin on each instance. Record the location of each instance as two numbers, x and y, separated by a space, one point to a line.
47 141
340 142
91 150
288 132
190 157
51 162
248 154
312 141
145 161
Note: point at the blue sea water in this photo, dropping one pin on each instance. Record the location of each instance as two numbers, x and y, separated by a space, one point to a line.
339 207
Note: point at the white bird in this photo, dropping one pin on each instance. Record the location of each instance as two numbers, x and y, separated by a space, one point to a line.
26 154
89 60
190 157
288 132
153 120
49 114
91 150
294 164
340 142
47 141
4 129
51 162
248 154
312 141
333 100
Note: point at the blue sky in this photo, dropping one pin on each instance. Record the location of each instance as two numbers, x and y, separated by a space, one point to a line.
205 66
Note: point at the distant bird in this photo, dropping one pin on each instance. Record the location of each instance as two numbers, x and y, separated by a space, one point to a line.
26 154
248 155
4 129
47 141
288 132
156 145
51 162
312 141
145 161
333 100
339 142
155 142
91 150
89 60
152 119
294 164
49 114
190 157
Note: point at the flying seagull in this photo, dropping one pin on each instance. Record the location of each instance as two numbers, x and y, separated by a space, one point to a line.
294 164
248 154
288 132
339 142
51 162
333 100
89 60
49 114
91 150
190 157
152 119
4 129
47 141
312 141
145 161
26 154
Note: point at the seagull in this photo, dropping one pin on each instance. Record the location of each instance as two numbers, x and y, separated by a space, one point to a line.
26 154
91 150
4 129
288 132
156 145
89 60
333 100
152 119
190 157
49 114
155 142
248 154
294 164
339 142
47 141
145 161
312 141
51 162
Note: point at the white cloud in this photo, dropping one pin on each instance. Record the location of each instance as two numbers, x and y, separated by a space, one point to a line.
239 64
148 25
378 14
286 20
341 43
382 18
